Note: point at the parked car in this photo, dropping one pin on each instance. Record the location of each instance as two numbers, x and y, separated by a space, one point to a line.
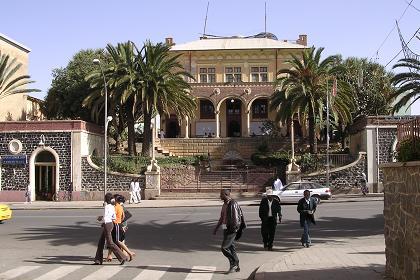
5 212
291 193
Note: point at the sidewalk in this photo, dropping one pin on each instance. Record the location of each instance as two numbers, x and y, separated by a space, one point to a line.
361 259
254 201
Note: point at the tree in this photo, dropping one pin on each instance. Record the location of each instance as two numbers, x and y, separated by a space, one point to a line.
124 88
302 89
69 88
10 83
370 84
408 83
164 89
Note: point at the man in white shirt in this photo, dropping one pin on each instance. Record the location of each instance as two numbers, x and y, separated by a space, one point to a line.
278 184
269 210
137 191
133 196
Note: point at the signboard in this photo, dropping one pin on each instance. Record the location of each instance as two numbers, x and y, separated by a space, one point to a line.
14 160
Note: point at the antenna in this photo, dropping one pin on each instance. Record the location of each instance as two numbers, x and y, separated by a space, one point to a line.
265 19
205 21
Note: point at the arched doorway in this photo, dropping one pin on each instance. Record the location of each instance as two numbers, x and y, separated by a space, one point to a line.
45 176
233 117
172 127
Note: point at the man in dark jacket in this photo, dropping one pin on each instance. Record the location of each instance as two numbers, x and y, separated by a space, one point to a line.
230 219
269 210
306 208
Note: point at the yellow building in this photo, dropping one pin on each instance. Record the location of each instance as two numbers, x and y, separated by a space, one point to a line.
233 82
18 106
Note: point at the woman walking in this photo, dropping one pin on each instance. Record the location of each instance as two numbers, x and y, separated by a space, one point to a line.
108 224
118 233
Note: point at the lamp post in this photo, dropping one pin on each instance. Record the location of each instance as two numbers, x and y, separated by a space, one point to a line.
106 120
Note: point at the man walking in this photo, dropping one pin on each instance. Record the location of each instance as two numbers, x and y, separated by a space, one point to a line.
133 196
230 220
137 191
269 210
306 208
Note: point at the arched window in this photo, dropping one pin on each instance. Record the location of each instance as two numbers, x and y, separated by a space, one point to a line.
206 109
260 109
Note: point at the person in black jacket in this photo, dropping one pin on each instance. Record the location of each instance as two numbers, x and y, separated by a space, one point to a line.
230 220
269 210
306 208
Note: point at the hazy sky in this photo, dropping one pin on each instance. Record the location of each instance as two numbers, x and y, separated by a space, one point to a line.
55 30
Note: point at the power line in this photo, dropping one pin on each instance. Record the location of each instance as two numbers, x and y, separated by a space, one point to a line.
395 56
393 28
412 6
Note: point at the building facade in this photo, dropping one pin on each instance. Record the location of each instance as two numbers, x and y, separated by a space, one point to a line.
233 81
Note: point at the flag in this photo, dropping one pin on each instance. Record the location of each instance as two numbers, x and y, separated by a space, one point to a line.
334 88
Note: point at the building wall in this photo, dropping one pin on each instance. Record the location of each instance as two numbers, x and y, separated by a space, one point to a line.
14 107
402 220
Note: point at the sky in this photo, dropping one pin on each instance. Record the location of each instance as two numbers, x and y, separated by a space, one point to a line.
56 30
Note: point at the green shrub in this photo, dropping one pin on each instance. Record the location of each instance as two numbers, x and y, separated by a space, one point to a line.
270 160
409 150
308 162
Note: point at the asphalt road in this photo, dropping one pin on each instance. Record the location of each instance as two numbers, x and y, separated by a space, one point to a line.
170 243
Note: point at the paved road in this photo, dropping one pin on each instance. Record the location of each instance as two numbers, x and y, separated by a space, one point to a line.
171 243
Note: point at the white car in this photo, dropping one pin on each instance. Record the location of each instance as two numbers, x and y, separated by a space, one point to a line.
291 193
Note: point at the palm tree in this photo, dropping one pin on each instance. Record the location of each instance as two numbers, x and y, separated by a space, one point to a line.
408 83
302 90
9 82
164 89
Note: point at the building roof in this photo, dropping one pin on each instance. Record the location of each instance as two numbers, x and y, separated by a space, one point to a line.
235 44
14 43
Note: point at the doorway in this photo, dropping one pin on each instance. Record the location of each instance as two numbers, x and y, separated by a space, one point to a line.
45 176
233 117
172 127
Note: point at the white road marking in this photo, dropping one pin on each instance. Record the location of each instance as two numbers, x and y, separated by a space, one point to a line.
155 272
16 272
201 273
59 272
104 273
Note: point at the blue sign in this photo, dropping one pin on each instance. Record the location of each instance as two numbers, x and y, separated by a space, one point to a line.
14 160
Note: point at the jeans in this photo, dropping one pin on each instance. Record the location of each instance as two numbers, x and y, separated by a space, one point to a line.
306 239
228 248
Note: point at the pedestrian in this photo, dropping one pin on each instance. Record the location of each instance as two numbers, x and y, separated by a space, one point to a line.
364 188
133 196
269 210
118 233
278 184
28 193
137 191
306 208
231 218
162 134
108 224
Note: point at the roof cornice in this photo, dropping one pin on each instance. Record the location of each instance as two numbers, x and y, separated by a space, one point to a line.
14 43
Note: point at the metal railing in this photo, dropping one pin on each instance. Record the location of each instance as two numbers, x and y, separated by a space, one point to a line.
409 130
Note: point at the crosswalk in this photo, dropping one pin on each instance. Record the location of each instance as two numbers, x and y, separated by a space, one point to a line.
152 272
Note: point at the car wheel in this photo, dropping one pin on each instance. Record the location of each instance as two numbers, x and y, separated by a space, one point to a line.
317 199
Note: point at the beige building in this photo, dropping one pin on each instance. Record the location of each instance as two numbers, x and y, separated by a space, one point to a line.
233 82
18 106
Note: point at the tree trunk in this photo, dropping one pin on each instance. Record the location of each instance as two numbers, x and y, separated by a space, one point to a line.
130 125
312 138
147 135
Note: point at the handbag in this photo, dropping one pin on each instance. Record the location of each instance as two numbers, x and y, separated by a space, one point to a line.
242 226
127 215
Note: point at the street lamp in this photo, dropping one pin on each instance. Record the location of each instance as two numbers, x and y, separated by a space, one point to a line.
106 120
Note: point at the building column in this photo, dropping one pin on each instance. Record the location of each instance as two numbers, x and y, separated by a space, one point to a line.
248 124
186 127
372 166
217 125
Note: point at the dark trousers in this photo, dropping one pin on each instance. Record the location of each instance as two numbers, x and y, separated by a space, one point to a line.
268 230
106 235
228 248
306 239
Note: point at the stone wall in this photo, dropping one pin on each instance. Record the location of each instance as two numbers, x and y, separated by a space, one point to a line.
342 178
386 139
93 178
16 178
402 219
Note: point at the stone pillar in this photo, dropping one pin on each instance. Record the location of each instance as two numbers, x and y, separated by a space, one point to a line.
152 184
248 124
372 165
186 128
217 125
293 170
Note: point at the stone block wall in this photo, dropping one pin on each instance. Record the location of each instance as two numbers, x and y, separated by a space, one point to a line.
16 178
93 179
342 178
402 219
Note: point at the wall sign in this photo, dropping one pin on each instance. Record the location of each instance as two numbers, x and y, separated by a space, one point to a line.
14 160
